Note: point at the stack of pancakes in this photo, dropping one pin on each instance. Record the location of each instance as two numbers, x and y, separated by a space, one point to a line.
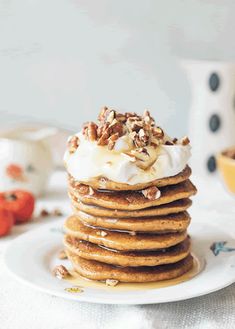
118 233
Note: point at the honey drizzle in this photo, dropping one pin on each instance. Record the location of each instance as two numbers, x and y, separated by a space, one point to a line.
76 280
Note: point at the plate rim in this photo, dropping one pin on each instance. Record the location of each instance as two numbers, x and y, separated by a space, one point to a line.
94 299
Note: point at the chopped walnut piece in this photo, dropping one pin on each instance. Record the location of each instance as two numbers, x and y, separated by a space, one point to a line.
142 139
91 191
102 141
121 117
62 255
111 145
109 133
141 129
133 135
155 143
57 212
110 117
83 189
89 130
175 140
101 130
103 135
149 121
92 131
73 144
142 133
44 213
103 114
143 159
157 132
84 128
140 154
134 124
60 272
111 282
146 113
112 139
116 127
185 141
130 114
101 233
151 193
169 143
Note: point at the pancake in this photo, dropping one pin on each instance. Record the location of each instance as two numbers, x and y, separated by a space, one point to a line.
165 209
132 200
92 251
94 270
104 183
122 240
169 223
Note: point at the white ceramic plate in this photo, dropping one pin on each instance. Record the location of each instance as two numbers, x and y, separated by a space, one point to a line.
32 256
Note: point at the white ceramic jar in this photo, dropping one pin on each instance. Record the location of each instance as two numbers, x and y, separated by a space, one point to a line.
25 160
212 113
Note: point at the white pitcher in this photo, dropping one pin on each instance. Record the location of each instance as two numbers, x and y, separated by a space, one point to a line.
25 159
212 113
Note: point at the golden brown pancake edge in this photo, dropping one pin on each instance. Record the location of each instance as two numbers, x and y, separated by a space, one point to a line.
104 183
94 270
165 209
168 223
122 240
91 251
131 200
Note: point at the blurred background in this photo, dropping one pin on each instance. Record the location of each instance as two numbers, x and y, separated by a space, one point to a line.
61 60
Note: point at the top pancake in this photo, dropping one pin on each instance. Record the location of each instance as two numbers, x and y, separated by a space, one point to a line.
104 183
134 200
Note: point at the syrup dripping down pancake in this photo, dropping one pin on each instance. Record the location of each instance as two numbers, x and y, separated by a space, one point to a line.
134 200
95 252
94 270
121 240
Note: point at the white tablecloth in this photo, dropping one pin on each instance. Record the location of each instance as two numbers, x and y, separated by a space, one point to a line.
24 308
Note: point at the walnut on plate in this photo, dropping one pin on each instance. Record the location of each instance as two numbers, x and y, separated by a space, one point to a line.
60 272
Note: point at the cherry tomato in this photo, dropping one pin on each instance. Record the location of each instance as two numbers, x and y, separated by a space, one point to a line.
6 221
20 203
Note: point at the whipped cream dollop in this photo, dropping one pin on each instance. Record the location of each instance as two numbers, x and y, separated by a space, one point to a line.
91 160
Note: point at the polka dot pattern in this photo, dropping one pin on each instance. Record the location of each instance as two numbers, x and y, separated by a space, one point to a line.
214 123
214 82
211 164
